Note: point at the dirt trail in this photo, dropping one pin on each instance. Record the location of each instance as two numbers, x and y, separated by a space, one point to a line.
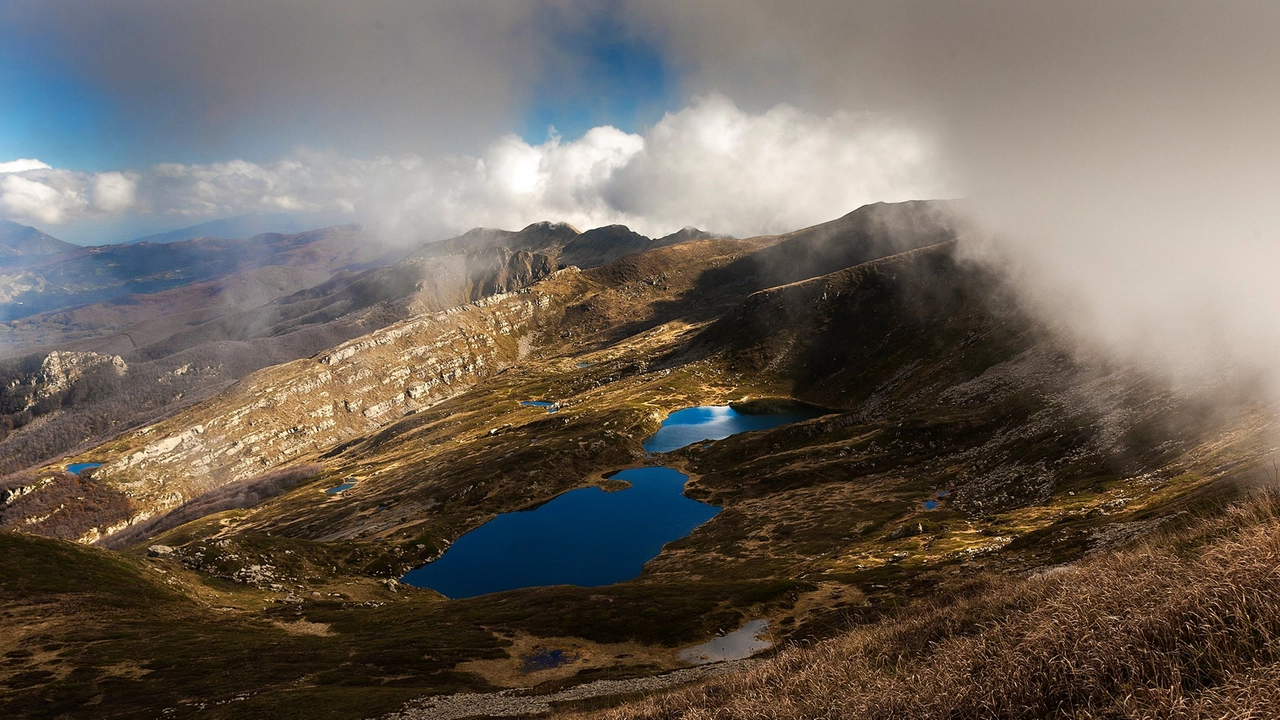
516 703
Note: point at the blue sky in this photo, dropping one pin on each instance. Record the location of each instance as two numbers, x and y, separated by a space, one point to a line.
51 115
66 110
126 87
401 114
623 81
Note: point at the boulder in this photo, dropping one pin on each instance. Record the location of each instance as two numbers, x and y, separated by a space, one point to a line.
906 531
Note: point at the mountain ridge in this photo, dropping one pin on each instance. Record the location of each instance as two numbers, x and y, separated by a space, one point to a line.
22 242
240 226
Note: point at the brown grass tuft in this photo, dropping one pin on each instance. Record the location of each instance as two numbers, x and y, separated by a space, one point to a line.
1184 627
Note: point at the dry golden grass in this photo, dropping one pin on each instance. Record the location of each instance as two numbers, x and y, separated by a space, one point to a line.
1184 627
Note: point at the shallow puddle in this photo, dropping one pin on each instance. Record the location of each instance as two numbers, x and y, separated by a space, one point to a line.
737 645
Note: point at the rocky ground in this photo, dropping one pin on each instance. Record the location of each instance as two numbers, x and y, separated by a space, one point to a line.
516 703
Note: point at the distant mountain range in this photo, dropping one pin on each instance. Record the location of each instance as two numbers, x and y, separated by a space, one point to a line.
66 275
41 274
243 226
22 242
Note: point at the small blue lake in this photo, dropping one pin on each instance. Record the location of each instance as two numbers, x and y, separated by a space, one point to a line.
341 488
550 406
76 468
716 422
585 537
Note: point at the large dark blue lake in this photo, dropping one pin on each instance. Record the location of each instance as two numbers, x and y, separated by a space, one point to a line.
716 422
585 537
590 537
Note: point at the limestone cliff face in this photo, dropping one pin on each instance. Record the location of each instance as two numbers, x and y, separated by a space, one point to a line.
61 369
288 411
446 281
500 270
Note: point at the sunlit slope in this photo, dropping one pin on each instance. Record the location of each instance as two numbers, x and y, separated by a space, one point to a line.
308 405
208 445
201 337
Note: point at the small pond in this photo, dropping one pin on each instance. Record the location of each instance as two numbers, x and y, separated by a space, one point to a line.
932 504
345 486
737 645
585 537
77 468
716 422
546 659
550 406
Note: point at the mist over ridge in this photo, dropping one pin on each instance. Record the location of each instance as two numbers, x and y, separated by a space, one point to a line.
986 289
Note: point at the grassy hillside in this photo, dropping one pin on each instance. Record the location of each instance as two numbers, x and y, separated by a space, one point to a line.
93 634
1186 625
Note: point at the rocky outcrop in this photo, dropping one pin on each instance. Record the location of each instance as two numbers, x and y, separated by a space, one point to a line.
289 411
60 370
446 281
502 270
906 531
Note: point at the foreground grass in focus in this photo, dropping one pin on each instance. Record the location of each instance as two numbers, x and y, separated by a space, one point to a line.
1186 625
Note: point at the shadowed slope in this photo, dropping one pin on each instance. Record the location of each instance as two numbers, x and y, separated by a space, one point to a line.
841 335
870 232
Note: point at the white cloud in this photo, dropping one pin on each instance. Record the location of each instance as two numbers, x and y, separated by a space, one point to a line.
22 165
718 167
114 192
711 164
45 202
